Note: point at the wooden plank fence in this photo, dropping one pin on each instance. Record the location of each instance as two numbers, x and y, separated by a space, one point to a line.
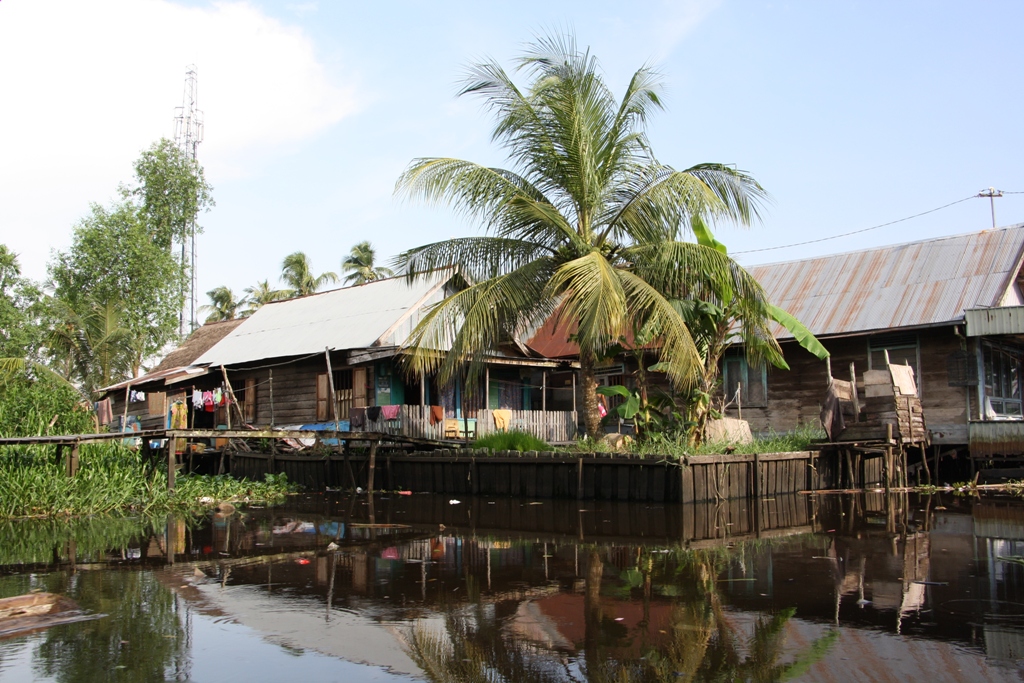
552 426
560 475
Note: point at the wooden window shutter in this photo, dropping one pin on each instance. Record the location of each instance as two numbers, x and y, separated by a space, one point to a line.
358 387
250 399
157 402
323 397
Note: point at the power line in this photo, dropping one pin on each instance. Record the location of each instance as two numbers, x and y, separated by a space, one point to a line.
874 227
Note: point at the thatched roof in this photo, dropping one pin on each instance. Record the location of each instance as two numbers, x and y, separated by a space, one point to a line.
198 343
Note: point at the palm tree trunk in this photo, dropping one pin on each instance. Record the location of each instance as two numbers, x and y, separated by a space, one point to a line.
591 416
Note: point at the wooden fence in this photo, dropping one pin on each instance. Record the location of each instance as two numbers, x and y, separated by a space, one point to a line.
552 426
559 475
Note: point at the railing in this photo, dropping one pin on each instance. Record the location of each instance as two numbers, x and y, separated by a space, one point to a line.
550 425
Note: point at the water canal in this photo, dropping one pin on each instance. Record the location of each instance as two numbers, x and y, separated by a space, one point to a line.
823 588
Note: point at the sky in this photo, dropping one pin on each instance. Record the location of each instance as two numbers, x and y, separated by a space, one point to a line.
850 114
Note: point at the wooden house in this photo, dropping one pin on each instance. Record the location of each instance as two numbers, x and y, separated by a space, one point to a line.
330 360
950 308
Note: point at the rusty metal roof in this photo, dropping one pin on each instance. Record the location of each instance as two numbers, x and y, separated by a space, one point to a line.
918 284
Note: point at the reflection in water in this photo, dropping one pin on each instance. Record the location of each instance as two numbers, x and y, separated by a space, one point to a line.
820 588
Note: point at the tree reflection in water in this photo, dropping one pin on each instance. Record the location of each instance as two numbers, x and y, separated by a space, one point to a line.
699 644
141 639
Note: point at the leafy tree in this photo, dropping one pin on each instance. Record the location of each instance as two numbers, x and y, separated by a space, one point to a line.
20 308
259 295
359 265
587 226
718 319
171 192
114 261
223 305
297 273
89 346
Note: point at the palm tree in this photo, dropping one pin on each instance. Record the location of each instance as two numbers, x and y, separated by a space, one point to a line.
90 346
260 294
359 265
297 273
223 305
587 227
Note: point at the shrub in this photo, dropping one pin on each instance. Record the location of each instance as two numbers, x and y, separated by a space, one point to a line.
514 440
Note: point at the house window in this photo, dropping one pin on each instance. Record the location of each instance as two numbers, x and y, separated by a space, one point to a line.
902 349
750 380
1002 381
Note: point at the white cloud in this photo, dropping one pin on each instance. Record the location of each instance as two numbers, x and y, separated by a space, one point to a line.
87 85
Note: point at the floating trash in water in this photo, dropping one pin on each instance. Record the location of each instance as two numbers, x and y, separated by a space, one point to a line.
454 502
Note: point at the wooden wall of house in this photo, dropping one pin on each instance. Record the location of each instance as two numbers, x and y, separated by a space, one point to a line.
795 396
294 391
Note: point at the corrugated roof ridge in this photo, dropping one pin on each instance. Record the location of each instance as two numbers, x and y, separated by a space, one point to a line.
1004 229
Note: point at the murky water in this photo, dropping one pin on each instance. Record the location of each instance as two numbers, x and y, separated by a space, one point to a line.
826 588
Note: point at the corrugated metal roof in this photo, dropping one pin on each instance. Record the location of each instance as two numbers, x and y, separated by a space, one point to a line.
167 375
982 322
383 311
918 284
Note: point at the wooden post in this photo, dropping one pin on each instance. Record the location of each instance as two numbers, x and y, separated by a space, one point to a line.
172 449
739 400
544 390
373 466
938 448
828 370
330 383
579 478
124 417
574 392
487 387
850 481
757 477
924 463
887 463
853 385
60 454
72 464
423 388
271 398
234 401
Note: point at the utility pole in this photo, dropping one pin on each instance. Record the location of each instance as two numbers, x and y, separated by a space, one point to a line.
188 133
992 193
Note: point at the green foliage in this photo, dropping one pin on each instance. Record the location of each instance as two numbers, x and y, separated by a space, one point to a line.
114 263
223 305
119 287
20 308
587 224
171 193
34 402
260 294
297 274
113 478
513 440
31 541
677 445
359 265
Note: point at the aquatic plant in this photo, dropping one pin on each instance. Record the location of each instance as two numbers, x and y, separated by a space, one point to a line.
113 478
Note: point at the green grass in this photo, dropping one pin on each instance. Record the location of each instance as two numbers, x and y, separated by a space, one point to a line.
512 441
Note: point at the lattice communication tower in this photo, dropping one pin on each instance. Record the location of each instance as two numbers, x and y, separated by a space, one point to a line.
188 133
